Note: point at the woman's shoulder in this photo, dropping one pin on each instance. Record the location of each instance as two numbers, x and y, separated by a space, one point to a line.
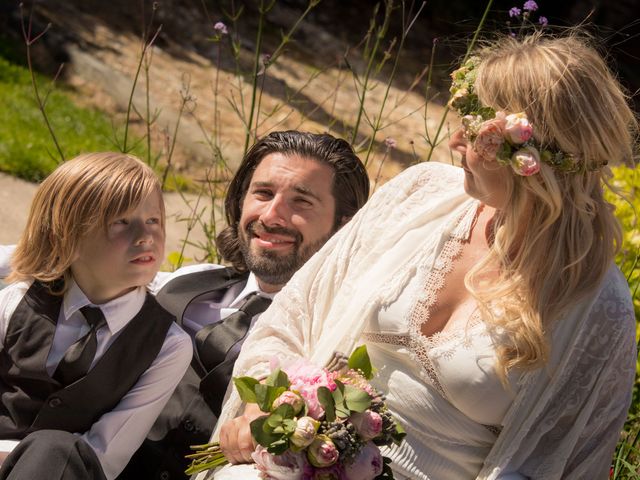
426 177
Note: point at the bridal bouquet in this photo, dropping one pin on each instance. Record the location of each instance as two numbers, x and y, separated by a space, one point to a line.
319 423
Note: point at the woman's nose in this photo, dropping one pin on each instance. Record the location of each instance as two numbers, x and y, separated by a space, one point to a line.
457 142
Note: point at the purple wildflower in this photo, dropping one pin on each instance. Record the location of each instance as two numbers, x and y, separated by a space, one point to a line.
543 21
514 12
390 143
220 28
530 6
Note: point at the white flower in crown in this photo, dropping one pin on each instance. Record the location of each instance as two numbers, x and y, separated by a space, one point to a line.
471 125
526 161
517 128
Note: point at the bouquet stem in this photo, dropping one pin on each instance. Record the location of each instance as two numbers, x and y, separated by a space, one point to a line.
204 457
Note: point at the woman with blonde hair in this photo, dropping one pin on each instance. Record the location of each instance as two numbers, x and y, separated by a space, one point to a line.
487 295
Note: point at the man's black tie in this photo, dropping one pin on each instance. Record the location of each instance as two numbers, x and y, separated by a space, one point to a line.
214 341
78 358
214 345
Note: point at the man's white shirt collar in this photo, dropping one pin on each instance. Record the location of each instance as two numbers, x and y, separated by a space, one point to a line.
250 287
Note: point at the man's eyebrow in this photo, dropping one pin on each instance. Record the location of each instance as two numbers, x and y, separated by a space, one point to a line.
301 189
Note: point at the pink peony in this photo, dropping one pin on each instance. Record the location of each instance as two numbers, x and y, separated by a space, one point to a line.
290 398
322 452
288 466
517 128
490 137
367 465
305 432
526 161
305 379
368 424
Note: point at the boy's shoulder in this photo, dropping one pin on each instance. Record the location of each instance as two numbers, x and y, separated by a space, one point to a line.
11 295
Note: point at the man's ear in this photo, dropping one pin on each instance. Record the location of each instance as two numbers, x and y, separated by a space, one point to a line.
343 221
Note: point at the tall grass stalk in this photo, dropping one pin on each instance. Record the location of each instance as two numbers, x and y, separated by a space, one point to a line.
29 40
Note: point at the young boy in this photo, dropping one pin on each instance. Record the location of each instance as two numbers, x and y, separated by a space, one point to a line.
88 359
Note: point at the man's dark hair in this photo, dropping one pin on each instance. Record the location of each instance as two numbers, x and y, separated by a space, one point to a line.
350 187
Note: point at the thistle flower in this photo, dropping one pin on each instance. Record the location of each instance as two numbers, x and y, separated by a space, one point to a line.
530 6
515 12
543 21
221 28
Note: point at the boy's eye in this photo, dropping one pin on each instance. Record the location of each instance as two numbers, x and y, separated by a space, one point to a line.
120 221
154 221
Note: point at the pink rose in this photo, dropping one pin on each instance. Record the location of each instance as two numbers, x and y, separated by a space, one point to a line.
305 379
367 465
526 161
517 128
289 398
322 452
490 137
368 424
288 466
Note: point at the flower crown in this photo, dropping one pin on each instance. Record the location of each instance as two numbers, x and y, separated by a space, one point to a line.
506 137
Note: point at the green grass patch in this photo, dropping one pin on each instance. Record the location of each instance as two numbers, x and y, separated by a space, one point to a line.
27 149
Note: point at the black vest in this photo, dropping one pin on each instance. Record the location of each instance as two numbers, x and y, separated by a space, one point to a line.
186 419
32 400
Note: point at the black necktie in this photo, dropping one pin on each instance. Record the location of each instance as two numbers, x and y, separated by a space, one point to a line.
214 341
214 345
78 358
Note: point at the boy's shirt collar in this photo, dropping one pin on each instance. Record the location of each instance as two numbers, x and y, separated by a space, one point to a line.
117 312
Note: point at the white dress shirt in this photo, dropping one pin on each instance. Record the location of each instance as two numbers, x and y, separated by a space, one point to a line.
118 433
213 308
5 258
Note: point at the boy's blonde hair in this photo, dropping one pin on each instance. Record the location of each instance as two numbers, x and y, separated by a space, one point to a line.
557 236
80 196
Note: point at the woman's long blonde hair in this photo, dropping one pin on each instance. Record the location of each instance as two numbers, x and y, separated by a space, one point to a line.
81 195
557 236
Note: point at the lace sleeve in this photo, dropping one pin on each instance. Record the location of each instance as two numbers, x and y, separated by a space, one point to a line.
566 421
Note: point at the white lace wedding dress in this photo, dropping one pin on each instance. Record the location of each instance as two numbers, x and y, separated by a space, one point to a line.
375 281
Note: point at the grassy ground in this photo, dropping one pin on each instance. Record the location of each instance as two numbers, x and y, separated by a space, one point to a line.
26 147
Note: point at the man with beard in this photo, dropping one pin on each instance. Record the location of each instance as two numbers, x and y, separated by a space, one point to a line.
292 191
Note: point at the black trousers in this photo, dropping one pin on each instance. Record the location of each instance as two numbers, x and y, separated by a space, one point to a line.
52 455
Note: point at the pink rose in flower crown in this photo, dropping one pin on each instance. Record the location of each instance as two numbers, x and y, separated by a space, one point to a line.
490 137
367 465
517 128
526 161
305 379
322 452
368 424
290 398
288 466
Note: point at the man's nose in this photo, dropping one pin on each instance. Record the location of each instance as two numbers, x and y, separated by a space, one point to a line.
275 212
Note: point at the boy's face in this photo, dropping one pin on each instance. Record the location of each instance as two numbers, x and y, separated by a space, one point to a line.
127 256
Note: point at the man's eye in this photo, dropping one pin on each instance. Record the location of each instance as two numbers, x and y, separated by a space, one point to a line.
303 201
263 193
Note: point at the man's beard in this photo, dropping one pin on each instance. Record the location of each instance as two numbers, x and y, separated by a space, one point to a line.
272 267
